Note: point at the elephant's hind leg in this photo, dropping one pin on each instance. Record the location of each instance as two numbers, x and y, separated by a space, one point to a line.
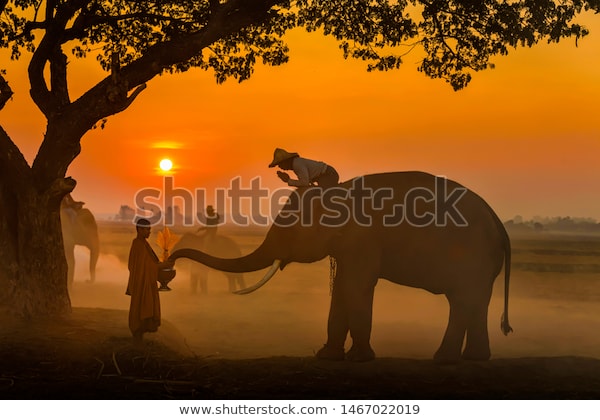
94 253
468 316
478 342
477 346
450 349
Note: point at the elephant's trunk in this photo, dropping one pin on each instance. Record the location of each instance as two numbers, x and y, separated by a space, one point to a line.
257 260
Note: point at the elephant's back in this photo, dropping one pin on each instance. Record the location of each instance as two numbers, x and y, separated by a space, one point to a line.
433 226
422 198
86 218
80 228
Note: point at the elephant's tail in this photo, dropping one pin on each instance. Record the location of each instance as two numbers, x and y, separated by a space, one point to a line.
504 325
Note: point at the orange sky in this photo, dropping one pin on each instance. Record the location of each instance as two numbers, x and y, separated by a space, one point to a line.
525 136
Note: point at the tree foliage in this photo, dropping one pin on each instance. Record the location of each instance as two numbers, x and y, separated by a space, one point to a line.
456 36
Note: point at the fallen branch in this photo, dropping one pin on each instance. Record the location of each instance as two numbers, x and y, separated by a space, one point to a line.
101 368
164 381
114 358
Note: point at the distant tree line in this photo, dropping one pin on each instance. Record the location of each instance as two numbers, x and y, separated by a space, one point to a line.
558 223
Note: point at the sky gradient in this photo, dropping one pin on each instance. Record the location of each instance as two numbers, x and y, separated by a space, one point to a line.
525 136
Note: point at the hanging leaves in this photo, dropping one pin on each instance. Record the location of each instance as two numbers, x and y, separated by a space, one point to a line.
453 37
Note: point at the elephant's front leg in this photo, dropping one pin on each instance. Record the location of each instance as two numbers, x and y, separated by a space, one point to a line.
352 307
94 254
198 276
337 326
236 282
358 295
70 256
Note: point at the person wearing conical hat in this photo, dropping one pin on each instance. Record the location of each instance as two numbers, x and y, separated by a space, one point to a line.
211 221
309 172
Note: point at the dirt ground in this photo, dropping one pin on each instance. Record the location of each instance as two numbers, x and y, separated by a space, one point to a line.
261 346
90 356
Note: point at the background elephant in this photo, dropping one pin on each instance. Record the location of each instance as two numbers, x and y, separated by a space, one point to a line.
410 228
214 244
79 228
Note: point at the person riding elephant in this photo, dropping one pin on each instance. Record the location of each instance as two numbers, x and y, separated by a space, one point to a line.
308 171
71 207
210 221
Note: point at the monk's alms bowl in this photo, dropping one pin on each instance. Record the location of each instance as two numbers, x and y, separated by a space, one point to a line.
165 276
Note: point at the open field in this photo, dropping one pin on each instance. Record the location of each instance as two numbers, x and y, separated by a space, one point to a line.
266 340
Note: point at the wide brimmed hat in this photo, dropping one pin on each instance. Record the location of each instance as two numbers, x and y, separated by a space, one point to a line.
280 155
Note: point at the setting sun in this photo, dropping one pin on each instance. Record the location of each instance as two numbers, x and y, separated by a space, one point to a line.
166 164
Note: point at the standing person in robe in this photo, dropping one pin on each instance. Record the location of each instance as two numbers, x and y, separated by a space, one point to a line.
144 310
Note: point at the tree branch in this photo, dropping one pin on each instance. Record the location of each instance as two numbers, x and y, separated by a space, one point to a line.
55 27
58 77
227 20
5 92
12 162
442 38
50 6
84 22
124 104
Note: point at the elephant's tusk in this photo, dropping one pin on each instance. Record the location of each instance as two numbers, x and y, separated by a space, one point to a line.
261 283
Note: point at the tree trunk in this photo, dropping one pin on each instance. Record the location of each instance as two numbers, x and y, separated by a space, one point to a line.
33 267
8 235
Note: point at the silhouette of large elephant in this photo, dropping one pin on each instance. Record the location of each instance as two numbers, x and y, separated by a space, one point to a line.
214 244
79 227
410 228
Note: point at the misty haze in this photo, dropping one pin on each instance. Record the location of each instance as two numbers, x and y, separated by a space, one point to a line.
552 313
